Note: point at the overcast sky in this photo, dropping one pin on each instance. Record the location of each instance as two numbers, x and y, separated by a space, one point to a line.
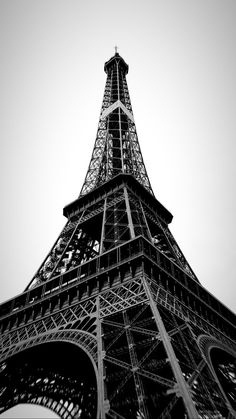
181 56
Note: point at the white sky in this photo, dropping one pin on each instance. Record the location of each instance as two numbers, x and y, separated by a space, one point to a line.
182 84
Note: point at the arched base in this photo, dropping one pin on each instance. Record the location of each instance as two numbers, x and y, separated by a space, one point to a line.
224 365
28 411
57 375
222 362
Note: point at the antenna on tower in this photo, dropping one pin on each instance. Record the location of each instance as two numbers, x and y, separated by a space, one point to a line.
116 48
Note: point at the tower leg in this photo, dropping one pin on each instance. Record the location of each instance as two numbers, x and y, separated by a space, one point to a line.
182 387
103 405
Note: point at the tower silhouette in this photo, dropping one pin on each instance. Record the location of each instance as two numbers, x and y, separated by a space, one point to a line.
115 324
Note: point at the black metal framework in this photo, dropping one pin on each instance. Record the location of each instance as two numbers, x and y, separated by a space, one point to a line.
115 324
116 148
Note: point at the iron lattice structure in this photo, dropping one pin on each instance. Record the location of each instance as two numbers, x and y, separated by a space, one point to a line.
116 148
115 324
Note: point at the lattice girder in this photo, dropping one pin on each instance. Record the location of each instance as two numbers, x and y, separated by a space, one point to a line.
133 353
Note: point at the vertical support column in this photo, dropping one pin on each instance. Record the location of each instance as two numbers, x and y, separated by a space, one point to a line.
103 405
181 383
120 130
121 140
103 226
145 219
131 226
134 362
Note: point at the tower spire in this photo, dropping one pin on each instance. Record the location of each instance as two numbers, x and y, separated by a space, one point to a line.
116 147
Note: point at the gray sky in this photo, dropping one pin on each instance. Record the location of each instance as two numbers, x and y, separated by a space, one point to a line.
182 84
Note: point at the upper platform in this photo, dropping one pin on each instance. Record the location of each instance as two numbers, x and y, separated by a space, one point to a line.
115 183
116 59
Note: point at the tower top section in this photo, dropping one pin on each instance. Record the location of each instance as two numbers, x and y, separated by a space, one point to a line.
116 149
116 60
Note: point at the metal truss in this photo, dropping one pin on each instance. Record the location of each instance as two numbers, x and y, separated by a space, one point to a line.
141 375
137 358
152 227
114 219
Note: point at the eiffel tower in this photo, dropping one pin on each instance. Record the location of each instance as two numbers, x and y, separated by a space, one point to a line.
115 324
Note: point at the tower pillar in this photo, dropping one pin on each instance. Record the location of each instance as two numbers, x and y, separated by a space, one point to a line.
182 388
